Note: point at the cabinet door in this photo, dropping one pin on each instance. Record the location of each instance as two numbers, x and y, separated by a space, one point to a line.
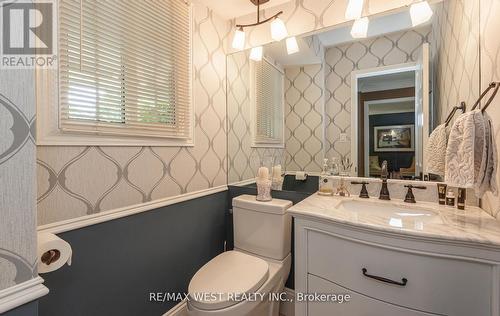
358 305
443 286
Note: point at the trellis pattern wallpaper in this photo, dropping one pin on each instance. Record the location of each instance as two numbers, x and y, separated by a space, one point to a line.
243 159
490 71
456 58
304 118
391 49
78 181
17 176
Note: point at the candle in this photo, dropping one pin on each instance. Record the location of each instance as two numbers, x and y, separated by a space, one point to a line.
263 173
277 172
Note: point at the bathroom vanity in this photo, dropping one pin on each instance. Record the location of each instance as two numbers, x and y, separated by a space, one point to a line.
396 259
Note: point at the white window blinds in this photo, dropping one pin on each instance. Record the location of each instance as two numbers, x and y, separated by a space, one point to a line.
268 82
125 67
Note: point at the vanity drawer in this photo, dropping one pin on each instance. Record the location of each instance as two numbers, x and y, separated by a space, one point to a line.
435 285
358 305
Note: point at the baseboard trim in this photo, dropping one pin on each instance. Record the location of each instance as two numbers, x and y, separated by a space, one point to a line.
88 220
21 294
242 182
178 310
287 308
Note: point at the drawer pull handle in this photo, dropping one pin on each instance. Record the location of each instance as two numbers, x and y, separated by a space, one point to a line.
402 283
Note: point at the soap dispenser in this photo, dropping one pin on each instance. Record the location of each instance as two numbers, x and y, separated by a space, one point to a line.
325 183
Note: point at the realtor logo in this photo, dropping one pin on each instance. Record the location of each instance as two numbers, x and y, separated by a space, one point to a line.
28 34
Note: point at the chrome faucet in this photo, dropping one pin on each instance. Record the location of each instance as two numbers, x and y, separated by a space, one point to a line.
384 191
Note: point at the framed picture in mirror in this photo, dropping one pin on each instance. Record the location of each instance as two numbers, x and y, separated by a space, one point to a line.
394 138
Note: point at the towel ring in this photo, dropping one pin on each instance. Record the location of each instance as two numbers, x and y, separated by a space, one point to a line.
462 107
492 85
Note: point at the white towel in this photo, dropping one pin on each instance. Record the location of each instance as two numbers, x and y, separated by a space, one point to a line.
471 155
464 151
487 172
436 150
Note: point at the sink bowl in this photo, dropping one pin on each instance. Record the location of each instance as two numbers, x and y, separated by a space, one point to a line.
397 214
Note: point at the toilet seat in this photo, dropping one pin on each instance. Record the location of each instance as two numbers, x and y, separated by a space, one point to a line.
230 272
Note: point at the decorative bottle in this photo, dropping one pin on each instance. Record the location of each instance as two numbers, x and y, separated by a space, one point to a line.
325 183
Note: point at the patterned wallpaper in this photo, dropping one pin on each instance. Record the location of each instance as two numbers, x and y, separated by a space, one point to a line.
304 117
78 181
243 160
490 71
17 176
456 38
391 49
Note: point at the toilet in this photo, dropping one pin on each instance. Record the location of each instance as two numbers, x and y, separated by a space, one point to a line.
240 282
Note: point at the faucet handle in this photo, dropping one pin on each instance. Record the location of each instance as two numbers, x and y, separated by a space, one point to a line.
364 192
411 186
410 198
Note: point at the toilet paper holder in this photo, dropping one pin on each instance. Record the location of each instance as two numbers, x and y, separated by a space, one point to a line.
50 256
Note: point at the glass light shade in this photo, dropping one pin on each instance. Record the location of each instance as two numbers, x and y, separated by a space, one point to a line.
420 13
354 9
291 45
239 39
278 30
256 53
360 28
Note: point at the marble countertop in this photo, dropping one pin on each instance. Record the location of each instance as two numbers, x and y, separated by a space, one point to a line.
424 219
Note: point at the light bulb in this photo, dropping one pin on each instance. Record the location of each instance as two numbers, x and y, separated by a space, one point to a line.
291 45
256 53
354 9
239 39
360 28
420 13
278 30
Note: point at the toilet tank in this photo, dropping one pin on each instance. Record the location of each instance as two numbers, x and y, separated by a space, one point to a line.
262 228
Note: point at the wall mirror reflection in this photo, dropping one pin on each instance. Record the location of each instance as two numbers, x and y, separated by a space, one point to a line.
352 97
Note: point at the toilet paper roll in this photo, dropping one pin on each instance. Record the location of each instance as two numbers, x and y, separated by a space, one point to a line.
53 252
300 175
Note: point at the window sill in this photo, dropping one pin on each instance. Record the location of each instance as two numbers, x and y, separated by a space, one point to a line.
62 139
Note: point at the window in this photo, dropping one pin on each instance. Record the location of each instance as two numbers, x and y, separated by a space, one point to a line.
268 105
125 70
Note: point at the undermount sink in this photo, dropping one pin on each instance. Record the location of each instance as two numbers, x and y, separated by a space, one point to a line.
399 216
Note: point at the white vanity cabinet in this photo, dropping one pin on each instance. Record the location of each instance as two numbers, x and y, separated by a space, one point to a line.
390 274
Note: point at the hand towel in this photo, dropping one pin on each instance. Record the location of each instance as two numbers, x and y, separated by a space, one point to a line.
487 172
436 150
465 150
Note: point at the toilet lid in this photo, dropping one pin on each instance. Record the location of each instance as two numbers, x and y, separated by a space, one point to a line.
230 272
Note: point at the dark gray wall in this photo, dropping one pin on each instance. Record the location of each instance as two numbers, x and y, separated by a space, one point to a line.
28 309
117 264
293 196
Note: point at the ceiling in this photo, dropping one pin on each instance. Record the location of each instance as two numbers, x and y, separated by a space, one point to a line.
390 81
394 107
230 9
305 56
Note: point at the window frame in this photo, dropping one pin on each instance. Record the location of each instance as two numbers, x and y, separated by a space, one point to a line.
49 132
253 103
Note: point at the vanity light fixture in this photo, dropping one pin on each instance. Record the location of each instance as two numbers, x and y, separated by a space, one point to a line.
354 9
239 39
256 53
291 45
420 13
360 28
278 28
